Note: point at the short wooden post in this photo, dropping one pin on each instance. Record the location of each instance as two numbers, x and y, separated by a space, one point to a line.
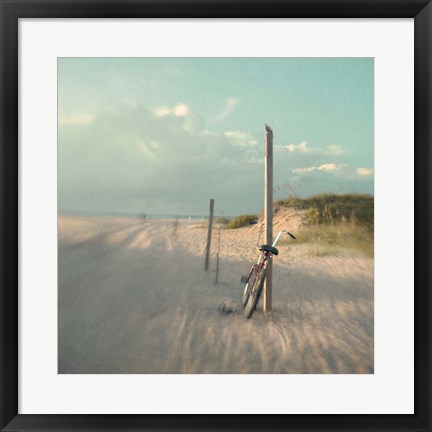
209 234
268 215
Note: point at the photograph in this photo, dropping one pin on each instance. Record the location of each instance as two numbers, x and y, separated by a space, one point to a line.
189 216
215 215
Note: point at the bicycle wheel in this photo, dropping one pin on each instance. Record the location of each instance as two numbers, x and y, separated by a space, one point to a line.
249 282
255 294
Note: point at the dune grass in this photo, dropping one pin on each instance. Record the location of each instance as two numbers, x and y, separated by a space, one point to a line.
335 223
241 221
327 240
357 209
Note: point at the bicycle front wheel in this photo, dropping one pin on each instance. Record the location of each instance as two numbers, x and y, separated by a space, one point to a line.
255 294
247 289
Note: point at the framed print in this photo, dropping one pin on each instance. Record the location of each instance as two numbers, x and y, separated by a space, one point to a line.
204 202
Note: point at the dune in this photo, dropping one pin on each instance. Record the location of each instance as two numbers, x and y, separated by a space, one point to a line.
134 298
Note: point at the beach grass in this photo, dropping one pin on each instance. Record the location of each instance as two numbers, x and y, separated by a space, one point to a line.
327 240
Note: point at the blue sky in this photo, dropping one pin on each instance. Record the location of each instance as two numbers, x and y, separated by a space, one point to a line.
164 135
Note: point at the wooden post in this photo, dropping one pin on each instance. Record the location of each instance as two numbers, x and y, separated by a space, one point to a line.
268 215
209 234
217 257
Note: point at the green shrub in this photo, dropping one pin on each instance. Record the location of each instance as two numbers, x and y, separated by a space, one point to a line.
241 221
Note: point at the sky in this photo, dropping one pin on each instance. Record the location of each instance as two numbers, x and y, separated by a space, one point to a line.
165 135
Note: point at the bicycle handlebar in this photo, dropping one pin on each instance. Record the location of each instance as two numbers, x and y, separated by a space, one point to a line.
291 235
279 234
277 237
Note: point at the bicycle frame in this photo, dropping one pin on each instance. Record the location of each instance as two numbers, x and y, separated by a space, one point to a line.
262 259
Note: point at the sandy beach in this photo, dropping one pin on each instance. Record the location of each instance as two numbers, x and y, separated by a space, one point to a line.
134 298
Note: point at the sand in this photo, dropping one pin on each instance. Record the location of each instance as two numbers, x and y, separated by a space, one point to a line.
134 298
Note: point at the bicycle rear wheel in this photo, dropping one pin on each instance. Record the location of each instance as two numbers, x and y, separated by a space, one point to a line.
255 294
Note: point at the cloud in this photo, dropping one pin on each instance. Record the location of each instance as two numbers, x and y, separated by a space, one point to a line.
230 104
340 170
179 110
330 167
242 139
303 170
138 159
75 119
165 161
324 167
365 171
334 150
192 122
330 177
303 148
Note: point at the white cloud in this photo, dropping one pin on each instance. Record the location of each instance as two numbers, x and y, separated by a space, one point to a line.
163 111
242 139
230 104
330 177
179 110
303 148
192 122
330 167
365 171
334 150
323 167
339 170
75 119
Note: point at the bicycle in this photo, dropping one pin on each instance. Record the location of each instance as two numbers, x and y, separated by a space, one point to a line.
255 280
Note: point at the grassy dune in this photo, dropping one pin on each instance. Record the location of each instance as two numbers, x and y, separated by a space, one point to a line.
324 209
331 224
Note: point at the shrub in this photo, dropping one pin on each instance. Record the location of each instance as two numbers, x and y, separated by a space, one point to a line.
241 221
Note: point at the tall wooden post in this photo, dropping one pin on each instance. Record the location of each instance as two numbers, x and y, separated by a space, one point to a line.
217 256
209 234
268 215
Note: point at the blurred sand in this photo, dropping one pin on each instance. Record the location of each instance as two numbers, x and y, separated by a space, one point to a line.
134 298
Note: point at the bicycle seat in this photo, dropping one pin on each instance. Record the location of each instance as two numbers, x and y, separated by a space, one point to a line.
267 248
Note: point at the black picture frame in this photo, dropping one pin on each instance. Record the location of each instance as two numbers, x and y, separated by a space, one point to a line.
12 10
